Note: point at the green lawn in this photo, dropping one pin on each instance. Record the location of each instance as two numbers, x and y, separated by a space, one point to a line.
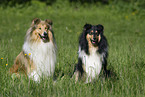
124 30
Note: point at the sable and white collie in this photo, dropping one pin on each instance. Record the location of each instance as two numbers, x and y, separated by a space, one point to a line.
38 56
92 54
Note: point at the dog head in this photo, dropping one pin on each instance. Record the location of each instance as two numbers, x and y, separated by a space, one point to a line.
93 33
40 30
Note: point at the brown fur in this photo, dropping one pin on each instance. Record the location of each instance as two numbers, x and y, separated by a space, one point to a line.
44 25
90 43
91 46
23 64
78 76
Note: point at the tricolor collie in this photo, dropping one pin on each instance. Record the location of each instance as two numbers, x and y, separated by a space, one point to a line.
92 54
38 55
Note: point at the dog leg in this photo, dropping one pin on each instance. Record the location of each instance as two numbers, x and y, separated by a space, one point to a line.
76 74
106 72
34 76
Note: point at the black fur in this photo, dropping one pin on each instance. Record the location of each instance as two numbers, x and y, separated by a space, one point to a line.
79 66
102 46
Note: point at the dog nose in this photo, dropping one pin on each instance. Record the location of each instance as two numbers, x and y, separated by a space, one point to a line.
94 37
45 33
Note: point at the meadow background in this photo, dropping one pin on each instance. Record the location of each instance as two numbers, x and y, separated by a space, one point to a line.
124 23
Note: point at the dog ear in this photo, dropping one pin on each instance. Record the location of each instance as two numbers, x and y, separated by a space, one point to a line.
49 21
100 27
87 26
36 21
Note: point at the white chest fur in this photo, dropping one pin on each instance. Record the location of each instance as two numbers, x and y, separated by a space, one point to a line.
92 63
43 56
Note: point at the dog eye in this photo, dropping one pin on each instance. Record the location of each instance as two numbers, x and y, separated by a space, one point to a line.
40 28
48 27
91 33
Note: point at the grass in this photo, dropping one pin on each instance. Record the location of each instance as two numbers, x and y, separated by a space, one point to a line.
124 30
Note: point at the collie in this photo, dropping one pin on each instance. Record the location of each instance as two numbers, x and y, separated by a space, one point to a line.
92 54
38 55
